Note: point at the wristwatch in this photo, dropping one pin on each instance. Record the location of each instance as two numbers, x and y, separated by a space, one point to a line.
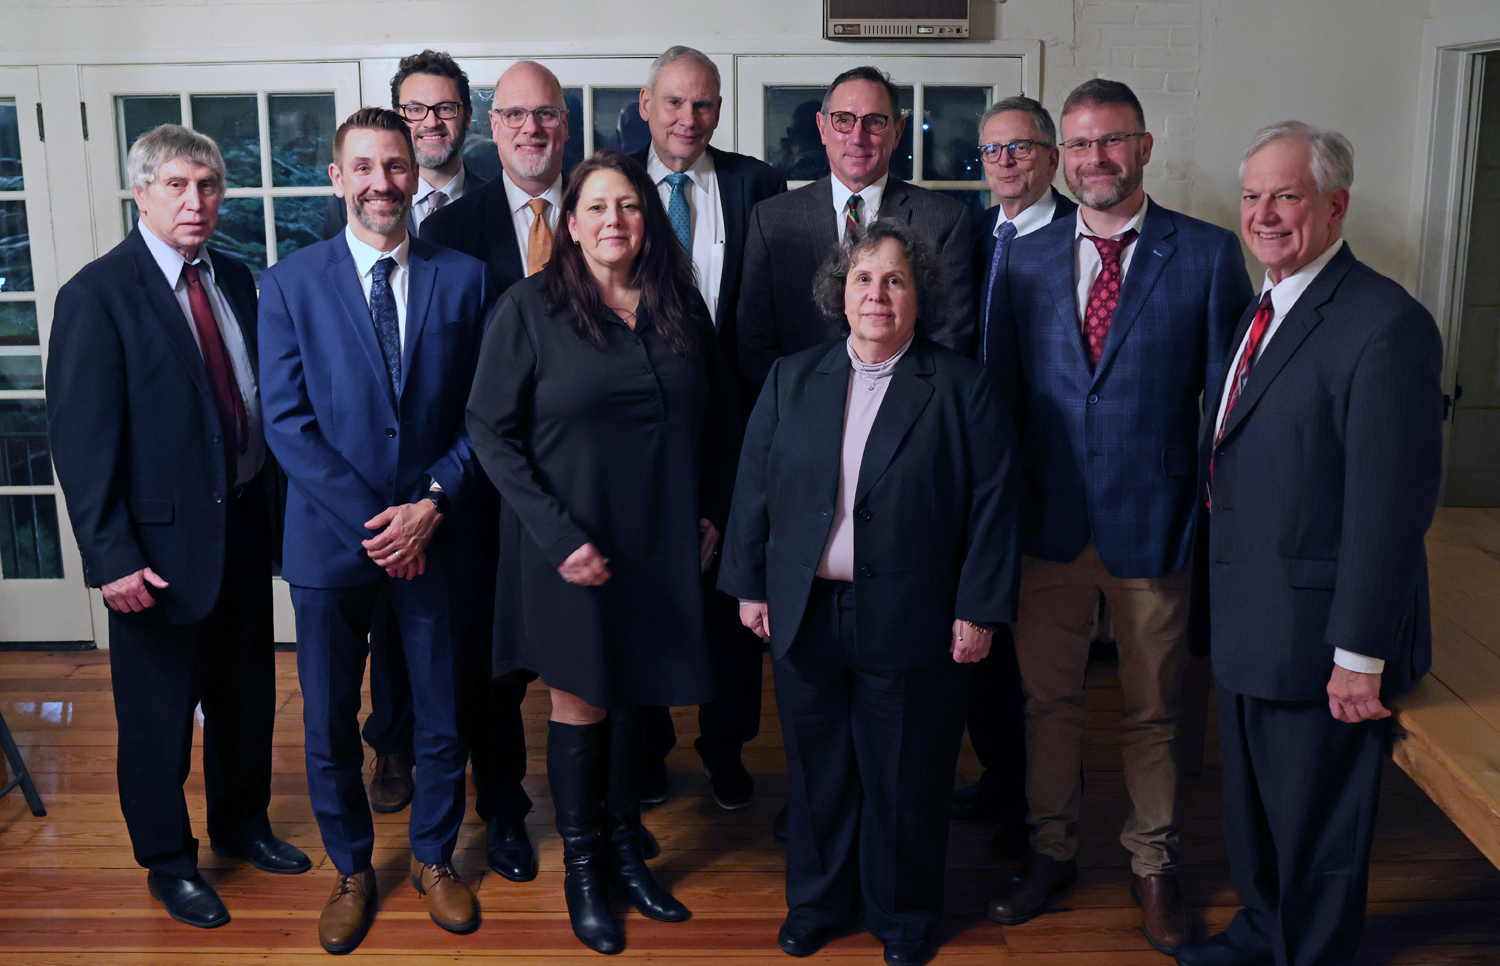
439 500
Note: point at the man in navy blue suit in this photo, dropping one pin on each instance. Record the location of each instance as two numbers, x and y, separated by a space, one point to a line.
1321 461
367 350
1108 326
708 194
1018 146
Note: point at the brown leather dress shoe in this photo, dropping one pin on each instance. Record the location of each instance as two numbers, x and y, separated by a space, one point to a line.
346 918
449 902
1164 916
1028 896
391 786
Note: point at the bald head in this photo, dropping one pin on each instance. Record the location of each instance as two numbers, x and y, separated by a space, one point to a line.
530 145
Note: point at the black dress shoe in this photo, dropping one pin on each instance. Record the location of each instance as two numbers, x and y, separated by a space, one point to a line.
733 787
266 852
907 952
779 826
650 848
192 901
1220 950
799 941
508 849
652 782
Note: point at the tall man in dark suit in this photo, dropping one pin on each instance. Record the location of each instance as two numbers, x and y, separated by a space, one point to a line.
708 194
155 424
1321 462
1018 146
367 350
791 234
1108 326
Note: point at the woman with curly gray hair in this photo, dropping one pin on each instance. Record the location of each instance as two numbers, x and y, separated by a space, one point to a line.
872 538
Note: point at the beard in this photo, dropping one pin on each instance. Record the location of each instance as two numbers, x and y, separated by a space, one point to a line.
433 156
380 226
1103 197
533 166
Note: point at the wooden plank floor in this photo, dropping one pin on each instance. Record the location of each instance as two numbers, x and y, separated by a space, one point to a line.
71 893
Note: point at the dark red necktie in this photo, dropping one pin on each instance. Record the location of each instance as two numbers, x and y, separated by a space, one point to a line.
227 398
1104 294
1263 314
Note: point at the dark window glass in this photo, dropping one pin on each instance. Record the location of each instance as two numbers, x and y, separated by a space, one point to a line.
299 222
10 149
302 128
617 120
137 115
28 538
233 121
18 323
24 457
950 132
15 248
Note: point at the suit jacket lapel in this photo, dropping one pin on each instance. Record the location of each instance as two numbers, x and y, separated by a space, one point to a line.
1153 250
733 195
504 250
346 286
166 312
420 286
821 225
1062 287
244 312
904 401
828 396
895 202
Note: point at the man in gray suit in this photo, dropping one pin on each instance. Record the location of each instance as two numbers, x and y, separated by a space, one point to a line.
860 125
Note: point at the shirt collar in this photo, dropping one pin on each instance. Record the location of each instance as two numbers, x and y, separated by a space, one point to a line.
517 197
1284 294
1030 219
454 188
697 173
1134 223
169 259
872 195
366 256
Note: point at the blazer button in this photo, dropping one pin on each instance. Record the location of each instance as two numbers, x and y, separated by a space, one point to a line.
390 432
866 572
1093 398
865 514
218 498
217 439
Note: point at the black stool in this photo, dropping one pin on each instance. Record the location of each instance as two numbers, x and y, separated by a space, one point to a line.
18 768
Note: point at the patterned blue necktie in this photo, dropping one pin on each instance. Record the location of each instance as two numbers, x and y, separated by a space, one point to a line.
1002 242
677 211
387 323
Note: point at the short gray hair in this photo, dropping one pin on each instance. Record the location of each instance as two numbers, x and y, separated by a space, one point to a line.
1332 153
675 53
167 142
1025 105
833 275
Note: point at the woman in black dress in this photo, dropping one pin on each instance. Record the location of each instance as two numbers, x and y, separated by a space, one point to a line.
595 411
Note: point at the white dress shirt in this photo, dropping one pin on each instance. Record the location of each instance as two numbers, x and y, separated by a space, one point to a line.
1088 265
706 211
869 207
421 205
1284 295
171 261
365 258
521 214
1037 215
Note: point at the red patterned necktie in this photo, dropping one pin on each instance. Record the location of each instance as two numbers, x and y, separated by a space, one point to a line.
227 399
1263 314
1104 294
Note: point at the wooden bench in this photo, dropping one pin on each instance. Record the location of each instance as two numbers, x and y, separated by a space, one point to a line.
1448 727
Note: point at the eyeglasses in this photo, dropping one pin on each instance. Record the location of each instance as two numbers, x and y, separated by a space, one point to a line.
843 122
1109 142
447 110
516 116
1019 150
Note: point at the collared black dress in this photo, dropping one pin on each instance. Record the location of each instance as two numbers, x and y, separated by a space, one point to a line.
625 445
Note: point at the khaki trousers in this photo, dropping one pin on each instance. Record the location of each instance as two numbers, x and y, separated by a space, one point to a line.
1057 604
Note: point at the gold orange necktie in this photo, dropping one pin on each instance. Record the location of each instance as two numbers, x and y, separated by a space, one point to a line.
539 241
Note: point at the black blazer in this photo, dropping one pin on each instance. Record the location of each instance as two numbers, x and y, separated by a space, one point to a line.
792 233
479 225
134 429
935 505
1324 483
743 181
984 253
337 214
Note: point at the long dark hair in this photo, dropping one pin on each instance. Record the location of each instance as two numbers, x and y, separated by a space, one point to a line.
662 271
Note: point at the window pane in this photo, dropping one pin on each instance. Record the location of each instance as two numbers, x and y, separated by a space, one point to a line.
233 120
137 115
950 132
18 323
10 148
617 120
242 232
302 127
299 222
793 146
24 457
20 372
480 153
15 248
28 538
573 150
976 201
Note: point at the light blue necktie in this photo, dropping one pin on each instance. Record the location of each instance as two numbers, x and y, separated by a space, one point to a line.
1002 242
677 211
387 322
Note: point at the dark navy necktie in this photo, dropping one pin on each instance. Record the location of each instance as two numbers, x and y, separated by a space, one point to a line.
1002 242
387 322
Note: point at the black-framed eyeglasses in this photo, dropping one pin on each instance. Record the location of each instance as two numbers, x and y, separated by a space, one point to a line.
1019 149
843 122
545 116
447 110
1109 142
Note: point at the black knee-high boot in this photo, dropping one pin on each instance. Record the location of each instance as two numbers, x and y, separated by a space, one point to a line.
577 769
628 871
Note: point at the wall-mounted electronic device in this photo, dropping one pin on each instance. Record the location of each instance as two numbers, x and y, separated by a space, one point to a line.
896 19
